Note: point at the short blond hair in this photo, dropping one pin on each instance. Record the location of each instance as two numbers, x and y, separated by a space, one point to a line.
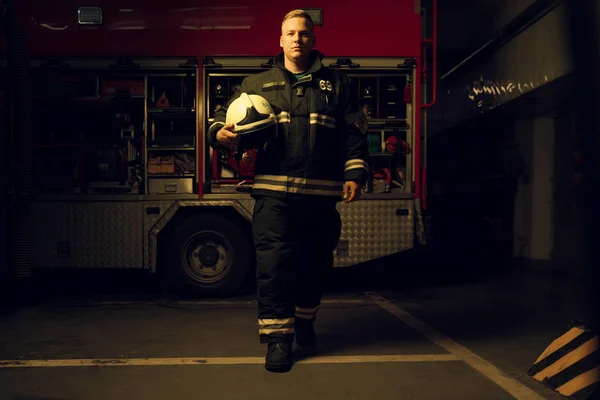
299 13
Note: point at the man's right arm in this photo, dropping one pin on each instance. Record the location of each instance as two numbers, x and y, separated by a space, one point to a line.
219 120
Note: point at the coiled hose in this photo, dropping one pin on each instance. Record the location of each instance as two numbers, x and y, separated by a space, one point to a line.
21 90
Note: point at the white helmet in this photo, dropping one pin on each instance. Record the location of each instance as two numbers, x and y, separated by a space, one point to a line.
250 113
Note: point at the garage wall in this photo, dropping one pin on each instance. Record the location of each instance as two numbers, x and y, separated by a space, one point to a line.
534 202
548 219
537 56
466 25
520 174
503 12
568 250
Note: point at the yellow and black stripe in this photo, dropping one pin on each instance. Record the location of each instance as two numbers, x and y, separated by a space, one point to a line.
571 364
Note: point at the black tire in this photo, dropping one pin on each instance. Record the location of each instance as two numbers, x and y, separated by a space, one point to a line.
208 255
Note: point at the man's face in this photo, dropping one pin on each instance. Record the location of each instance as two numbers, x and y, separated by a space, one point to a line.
297 39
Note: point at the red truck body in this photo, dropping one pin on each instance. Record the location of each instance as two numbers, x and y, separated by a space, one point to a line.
181 28
128 201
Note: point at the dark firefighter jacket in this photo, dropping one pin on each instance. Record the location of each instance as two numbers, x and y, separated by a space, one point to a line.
320 140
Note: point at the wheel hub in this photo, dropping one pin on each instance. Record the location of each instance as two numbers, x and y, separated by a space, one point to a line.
208 255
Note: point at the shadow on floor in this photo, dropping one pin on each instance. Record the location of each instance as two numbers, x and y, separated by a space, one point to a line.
398 272
477 301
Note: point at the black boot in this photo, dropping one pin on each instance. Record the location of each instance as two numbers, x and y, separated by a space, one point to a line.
305 333
279 356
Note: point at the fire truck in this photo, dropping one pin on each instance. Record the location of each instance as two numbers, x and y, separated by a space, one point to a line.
115 172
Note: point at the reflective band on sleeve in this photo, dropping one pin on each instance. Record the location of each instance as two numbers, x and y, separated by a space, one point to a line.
215 124
356 163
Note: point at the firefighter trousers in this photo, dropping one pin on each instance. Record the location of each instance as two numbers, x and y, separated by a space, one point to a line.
294 241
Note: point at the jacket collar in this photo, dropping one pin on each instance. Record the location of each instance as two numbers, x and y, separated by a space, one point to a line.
315 63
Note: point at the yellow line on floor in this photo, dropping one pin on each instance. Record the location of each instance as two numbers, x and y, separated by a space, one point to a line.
197 302
119 362
509 384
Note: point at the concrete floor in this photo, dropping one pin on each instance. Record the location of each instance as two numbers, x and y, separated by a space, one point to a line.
501 322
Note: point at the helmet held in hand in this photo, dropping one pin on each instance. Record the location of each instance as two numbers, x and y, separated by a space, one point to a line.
250 113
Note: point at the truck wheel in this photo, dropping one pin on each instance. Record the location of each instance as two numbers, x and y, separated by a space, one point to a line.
208 255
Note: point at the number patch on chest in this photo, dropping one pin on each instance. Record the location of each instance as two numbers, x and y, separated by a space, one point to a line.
325 86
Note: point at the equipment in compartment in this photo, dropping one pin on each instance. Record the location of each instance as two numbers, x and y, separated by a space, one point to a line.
221 88
106 171
59 168
385 99
108 119
171 91
50 84
123 87
382 181
114 160
116 167
171 114
87 127
368 92
172 131
174 164
171 186
161 165
392 104
238 165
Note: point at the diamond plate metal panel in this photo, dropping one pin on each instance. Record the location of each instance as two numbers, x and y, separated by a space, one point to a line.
152 212
243 203
372 229
84 234
248 205
122 234
420 224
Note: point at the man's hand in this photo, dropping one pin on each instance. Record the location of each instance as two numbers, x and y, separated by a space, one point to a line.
351 191
227 138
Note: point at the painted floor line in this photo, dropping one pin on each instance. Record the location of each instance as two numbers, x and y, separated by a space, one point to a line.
509 384
198 302
120 362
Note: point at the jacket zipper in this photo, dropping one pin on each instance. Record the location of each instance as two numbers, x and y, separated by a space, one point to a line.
308 124
308 109
290 117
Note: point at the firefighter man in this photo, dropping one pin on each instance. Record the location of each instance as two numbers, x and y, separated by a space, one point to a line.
316 157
